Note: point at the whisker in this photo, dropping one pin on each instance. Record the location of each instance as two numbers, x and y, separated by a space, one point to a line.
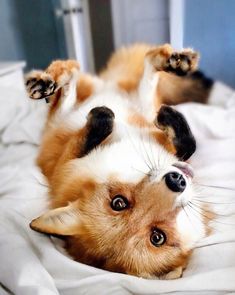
204 210
212 244
209 218
210 202
147 174
197 214
39 182
215 186
184 208
146 152
152 154
136 149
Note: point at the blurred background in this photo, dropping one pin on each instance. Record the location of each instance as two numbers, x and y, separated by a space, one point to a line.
39 31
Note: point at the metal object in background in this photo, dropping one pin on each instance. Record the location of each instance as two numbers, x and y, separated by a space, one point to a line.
75 15
60 12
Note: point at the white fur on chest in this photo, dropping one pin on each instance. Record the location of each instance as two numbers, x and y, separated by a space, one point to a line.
130 157
74 116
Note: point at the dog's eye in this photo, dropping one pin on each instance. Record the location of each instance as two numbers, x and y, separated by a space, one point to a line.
119 203
158 237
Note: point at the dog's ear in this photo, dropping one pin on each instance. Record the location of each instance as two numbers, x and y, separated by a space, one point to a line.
62 221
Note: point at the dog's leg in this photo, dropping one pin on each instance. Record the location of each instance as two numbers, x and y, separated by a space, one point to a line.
57 84
175 126
162 58
62 85
66 145
99 126
42 84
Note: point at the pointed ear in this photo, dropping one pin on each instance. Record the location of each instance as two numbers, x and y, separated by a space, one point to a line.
62 221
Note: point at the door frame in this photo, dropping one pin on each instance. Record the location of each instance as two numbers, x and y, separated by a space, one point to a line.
176 15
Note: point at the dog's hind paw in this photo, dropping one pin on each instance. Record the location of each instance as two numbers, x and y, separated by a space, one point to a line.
182 63
164 58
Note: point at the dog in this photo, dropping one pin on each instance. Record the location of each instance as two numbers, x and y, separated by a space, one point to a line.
114 153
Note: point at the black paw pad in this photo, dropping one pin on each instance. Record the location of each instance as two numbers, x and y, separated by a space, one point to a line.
183 138
166 116
179 63
99 126
39 88
30 81
100 116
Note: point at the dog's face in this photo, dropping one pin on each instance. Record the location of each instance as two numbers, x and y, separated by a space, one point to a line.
121 209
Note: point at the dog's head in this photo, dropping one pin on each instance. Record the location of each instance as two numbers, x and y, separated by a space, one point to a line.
122 208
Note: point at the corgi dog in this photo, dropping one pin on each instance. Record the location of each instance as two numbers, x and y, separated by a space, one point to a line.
114 151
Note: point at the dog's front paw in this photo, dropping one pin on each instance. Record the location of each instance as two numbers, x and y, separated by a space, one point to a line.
39 85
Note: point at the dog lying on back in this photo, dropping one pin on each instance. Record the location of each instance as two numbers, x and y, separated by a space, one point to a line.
114 156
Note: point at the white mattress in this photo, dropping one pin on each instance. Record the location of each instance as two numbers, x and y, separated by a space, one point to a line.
32 264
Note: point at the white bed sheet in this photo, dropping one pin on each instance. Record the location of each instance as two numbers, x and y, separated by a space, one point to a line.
33 264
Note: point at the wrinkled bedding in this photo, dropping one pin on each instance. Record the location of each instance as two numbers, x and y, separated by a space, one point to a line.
33 264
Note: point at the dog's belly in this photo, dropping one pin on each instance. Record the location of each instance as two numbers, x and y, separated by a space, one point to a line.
121 105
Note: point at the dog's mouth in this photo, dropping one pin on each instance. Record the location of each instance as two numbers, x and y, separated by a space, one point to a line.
185 168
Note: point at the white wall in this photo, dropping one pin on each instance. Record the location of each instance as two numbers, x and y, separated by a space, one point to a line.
140 21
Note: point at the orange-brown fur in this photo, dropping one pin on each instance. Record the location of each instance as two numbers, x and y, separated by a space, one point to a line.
60 146
85 249
129 64
126 67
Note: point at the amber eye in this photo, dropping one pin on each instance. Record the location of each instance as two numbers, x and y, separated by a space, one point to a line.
119 203
158 237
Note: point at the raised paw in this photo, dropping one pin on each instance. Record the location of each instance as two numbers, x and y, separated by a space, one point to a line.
39 85
159 56
182 63
176 127
164 58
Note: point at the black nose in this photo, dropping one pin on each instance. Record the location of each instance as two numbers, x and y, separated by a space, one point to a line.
175 182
